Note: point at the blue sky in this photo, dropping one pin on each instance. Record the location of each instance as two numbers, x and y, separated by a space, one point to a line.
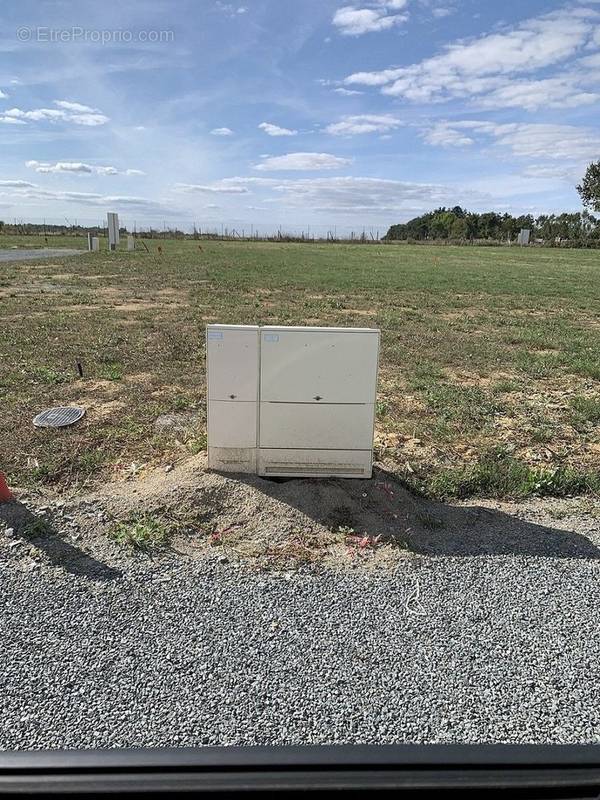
270 113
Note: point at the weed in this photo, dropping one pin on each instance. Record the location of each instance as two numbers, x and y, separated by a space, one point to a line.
112 372
585 410
381 409
424 374
498 474
37 527
48 375
141 533
197 444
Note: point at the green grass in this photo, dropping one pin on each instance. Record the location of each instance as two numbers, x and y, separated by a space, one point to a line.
141 533
499 475
586 408
481 348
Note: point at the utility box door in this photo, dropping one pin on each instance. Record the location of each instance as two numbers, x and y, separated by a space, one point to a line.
232 358
231 424
314 426
336 366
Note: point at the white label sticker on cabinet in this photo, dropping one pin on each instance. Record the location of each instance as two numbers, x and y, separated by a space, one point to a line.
271 337
215 334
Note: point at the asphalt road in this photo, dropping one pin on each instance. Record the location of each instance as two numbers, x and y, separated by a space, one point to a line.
45 252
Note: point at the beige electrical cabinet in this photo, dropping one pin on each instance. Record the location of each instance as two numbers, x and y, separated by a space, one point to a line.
295 401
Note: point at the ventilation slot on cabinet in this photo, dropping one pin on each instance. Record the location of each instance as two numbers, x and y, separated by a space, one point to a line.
313 469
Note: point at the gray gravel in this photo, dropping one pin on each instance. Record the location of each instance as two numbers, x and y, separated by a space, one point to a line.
43 252
496 648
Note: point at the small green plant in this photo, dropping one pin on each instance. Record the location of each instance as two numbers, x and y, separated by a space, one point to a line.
498 474
542 434
462 407
37 527
141 533
48 375
181 403
112 372
424 375
505 385
382 409
197 445
585 409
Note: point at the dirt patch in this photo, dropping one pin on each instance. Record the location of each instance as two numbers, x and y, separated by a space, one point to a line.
451 316
465 378
269 524
360 312
138 305
102 277
103 387
98 409
141 378
178 423
77 307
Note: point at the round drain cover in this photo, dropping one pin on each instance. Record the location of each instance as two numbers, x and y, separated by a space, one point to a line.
58 417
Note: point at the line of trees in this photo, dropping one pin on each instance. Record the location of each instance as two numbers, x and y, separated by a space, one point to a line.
580 229
460 225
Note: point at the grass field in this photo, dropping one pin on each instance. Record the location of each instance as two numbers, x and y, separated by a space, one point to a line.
490 356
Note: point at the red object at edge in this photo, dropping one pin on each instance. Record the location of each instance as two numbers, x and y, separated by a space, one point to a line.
5 493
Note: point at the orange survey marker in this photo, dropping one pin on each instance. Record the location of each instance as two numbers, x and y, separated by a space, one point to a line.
5 493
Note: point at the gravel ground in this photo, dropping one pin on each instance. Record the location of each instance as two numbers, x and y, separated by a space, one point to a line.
494 648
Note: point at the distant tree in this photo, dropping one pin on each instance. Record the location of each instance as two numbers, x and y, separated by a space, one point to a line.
459 229
456 223
589 188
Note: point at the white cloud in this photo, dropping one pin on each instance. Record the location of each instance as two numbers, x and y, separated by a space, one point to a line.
222 132
349 195
3 95
29 193
560 92
134 173
361 194
90 120
17 184
347 92
440 12
78 168
485 68
231 10
275 130
549 142
11 121
77 107
221 187
551 171
302 161
364 123
36 115
67 112
445 135
352 21
60 166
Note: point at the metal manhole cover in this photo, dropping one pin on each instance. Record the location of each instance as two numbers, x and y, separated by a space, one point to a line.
58 417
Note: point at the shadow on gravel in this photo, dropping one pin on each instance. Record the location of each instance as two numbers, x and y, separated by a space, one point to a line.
382 506
39 532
